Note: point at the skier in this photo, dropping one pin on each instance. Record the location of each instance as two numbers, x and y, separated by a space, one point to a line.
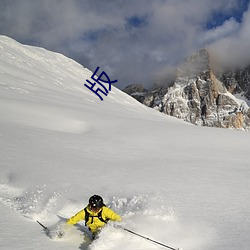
95 214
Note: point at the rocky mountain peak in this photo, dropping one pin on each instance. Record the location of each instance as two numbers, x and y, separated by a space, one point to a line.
196 64
200 96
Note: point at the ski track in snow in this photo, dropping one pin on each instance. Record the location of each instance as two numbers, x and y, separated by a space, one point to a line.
43 117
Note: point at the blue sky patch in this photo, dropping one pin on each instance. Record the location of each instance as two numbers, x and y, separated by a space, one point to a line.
136 21
219 17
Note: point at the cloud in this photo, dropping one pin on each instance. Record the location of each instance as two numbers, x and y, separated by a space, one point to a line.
233 49
228 28
133 41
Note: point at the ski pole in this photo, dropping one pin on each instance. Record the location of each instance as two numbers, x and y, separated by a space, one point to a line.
45 228
146 238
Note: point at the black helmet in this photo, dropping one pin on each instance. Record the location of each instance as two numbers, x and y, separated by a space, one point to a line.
96 202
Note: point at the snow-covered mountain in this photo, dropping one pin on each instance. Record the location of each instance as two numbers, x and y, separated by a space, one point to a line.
202 96
182 185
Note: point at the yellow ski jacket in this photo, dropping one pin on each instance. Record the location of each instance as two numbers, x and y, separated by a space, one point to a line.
94 223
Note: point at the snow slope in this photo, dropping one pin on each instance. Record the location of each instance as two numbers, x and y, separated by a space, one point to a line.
176 183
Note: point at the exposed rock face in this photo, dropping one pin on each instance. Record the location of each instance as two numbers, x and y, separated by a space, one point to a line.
237 81
137 91
199 97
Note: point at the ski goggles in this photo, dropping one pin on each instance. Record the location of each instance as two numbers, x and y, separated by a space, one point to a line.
94 208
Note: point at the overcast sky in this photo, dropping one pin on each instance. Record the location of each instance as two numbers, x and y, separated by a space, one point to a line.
133 41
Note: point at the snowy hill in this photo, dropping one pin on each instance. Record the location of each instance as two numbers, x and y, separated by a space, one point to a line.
176 183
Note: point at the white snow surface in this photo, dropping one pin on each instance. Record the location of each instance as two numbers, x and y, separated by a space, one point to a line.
182 185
